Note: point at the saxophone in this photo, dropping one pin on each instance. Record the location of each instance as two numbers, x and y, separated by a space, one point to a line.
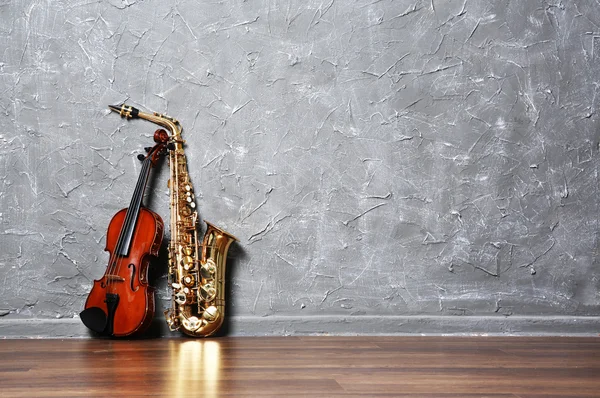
196 271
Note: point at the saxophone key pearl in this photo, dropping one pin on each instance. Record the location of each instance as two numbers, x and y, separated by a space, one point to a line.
192 323
211 314
189 281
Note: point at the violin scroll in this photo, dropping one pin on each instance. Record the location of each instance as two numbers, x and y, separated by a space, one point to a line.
161 137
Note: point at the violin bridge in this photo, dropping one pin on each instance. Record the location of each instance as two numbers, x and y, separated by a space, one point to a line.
115 278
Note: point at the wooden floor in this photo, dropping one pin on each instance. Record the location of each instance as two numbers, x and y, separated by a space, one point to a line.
303 366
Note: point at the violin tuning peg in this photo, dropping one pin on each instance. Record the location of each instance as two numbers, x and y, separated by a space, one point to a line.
141 157
148 148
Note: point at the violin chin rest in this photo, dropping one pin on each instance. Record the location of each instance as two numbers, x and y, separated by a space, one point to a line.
94 318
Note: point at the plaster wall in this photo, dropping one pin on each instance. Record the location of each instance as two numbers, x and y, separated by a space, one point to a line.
389 166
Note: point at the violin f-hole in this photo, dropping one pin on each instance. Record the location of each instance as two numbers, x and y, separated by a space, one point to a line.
133 278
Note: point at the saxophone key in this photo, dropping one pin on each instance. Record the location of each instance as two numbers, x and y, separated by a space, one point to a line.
208 270
180 298
211 314
208 292
192 323
188 263
189 281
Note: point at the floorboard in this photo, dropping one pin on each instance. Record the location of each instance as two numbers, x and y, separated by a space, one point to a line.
495 367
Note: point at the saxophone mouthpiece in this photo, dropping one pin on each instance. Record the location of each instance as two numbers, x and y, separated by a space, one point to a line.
171 125
125 110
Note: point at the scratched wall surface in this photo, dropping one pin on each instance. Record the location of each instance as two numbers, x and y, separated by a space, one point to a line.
378 160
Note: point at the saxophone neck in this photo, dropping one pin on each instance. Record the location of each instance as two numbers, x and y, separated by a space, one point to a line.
171 124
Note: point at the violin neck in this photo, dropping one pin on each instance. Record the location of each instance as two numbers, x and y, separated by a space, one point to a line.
133 212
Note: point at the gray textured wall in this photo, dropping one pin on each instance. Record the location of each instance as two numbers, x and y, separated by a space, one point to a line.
389 166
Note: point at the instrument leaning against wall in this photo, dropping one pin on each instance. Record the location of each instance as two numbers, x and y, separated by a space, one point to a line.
196 271
121 303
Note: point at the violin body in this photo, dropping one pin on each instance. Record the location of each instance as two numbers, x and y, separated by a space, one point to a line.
121 303
127 277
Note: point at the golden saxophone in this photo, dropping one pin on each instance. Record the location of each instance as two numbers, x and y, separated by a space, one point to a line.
196 271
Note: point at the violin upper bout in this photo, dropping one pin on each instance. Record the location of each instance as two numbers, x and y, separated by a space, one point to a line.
114 229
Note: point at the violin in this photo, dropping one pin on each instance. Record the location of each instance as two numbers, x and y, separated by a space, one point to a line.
121 303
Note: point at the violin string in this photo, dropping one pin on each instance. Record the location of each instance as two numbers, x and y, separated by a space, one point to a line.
138 195
130 217
119 244
115 257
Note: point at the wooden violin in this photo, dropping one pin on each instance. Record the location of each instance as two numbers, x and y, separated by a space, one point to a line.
121 303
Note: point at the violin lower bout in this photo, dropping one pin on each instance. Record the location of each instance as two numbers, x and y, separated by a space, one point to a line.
127 277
